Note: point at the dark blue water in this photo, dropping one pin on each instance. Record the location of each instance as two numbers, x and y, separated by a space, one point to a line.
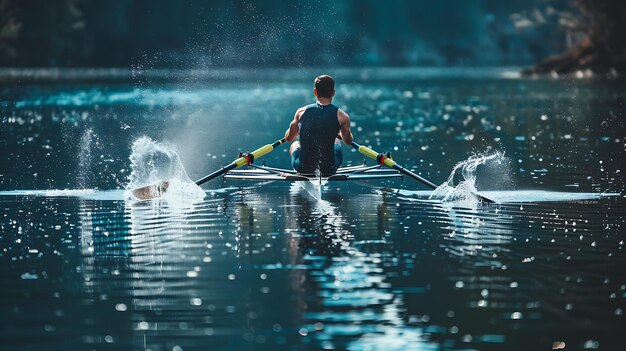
374 266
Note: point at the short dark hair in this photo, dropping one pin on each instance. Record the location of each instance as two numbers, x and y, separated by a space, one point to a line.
325 85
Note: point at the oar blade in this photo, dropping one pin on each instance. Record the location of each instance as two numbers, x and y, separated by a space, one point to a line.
157 190
151 191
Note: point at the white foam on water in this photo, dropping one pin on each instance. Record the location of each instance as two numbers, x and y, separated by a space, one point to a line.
501 197
85 158
463 193
84 194
543 196
513 196
153 162
68 192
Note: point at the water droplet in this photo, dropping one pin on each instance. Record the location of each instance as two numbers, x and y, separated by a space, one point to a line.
29 276
591 344
192 274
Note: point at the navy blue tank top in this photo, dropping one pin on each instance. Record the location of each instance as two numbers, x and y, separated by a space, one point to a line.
319 127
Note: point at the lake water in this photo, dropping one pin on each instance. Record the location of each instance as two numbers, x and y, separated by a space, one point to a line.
369 266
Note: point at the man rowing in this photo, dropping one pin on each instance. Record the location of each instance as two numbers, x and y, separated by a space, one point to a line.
320 125
318 152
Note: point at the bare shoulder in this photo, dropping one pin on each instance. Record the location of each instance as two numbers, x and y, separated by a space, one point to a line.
299 112
342 116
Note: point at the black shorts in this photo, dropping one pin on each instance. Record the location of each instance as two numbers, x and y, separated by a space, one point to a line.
297 165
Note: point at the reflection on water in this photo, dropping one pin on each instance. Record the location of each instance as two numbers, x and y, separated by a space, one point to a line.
375 267
272 267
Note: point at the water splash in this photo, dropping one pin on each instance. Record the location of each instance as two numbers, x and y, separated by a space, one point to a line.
463 193
85 158
153 162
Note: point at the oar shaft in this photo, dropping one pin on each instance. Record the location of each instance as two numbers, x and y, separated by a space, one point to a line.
241 161
417 177
217 173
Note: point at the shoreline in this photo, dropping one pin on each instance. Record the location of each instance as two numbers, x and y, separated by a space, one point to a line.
10 75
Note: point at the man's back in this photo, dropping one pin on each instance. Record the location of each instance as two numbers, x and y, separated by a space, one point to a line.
319 127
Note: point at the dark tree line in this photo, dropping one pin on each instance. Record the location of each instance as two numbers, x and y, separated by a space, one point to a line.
199 33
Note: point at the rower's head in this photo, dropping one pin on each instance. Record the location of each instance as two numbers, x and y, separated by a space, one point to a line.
324 87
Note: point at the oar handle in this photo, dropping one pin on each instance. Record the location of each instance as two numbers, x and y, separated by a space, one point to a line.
378 157
241 161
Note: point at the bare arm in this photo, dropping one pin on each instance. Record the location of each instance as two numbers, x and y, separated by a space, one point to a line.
344 122
294 127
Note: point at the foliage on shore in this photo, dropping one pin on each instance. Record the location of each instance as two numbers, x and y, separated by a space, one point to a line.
602 49
244 33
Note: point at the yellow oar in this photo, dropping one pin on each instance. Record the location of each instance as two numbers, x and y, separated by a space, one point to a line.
387 161
156 190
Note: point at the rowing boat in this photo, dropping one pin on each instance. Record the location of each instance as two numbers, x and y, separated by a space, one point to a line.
353 173
263 173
